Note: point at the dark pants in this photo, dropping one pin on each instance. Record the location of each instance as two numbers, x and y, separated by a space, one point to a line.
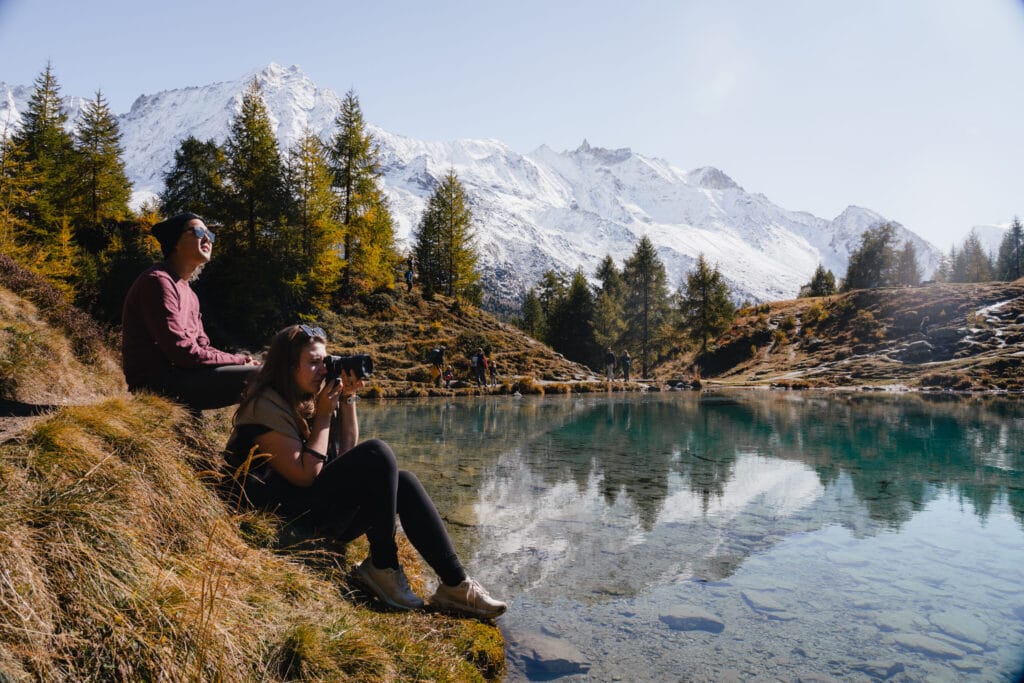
202 388
360 492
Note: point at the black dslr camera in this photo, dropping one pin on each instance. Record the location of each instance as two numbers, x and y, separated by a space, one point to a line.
361 365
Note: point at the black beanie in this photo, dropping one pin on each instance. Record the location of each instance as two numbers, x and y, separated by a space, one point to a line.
168 231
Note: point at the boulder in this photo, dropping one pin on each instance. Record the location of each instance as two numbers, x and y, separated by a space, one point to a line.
546 656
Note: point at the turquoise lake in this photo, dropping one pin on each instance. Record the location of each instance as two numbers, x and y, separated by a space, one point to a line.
735 536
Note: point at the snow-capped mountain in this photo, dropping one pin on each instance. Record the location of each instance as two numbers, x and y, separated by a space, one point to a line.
546 209
991 237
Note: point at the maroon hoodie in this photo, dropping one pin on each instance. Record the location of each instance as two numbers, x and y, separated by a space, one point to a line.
162 327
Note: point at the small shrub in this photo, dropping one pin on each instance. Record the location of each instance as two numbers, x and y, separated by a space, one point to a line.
815 314
788 323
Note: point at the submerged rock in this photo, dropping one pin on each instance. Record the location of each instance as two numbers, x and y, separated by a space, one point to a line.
546 656
961 626
690 618
927 645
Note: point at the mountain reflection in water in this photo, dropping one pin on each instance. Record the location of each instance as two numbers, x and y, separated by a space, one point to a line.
618 505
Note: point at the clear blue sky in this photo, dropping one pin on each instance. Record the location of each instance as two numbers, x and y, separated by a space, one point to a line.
912 108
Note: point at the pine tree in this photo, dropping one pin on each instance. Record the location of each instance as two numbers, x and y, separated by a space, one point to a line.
362 209
1010 261
444 241
531 318
705 305
570 329
610 277
49 148
103 187
908 270
254 170
823 283
196 180
873 263
645 301
316 234
971 263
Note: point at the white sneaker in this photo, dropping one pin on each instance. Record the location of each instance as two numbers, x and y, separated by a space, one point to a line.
390 585
469 597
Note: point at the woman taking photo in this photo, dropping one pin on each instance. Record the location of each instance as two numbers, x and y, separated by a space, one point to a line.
295 450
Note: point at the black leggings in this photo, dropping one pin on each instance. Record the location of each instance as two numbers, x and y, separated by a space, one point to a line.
360 492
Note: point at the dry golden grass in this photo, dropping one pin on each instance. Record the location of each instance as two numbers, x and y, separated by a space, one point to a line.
118 563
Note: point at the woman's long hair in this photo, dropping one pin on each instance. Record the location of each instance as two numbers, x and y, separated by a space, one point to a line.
278 373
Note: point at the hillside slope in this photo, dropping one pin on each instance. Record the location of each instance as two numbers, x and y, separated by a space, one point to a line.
935 336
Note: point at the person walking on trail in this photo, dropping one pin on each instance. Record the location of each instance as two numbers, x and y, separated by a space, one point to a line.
481 368
436 358
408 278
626 362
294 449
609 364
493 368
164 348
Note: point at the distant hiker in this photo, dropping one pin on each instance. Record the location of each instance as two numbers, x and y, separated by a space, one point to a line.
493 368
926 322
481 368
164 348
448 377
294 449
626 362
436 359
609 363
408 278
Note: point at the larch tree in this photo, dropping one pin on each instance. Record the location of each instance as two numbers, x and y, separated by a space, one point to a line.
444 241
705 306
364 214
609 325
18 179
531 316
970 263
315 233
645 301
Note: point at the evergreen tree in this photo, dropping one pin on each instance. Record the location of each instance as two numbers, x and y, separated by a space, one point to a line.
103 187
645 300
823 283
18 178
1010 261
705 305
608 322
196 180
873 264
444 241
315 237
363 212
49 148
610 277
531 318
570 329
970 263
254 171
550 289
908 270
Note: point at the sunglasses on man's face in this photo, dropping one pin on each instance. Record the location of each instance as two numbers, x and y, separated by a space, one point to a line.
312 332
201 232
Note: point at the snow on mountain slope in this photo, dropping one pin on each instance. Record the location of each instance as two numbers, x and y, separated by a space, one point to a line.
536 211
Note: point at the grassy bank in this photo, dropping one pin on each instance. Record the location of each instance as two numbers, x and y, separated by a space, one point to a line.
119 562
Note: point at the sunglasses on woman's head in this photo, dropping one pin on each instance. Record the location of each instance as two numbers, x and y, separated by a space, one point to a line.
312 332
201 232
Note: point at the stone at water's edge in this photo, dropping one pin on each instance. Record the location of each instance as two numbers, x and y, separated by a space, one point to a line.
690 618
546 656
